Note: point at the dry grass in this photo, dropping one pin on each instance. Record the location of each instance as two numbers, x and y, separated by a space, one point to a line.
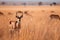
38 26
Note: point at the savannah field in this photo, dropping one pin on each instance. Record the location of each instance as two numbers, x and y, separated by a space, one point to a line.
36 26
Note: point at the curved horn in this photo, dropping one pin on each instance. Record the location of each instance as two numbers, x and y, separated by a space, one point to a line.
19 17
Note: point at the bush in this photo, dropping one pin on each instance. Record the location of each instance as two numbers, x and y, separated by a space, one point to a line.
40 3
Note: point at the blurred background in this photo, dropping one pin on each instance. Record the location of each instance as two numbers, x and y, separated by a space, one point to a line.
29 2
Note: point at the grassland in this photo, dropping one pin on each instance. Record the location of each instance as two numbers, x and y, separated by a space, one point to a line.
38 26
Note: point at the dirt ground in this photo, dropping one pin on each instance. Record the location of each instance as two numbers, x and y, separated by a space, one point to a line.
38 25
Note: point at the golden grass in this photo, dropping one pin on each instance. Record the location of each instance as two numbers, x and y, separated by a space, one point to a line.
38 26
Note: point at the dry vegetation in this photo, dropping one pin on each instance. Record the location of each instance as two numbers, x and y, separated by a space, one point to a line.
38 25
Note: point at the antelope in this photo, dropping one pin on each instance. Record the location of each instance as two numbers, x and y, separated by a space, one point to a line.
18 22
54 16
26 12
11 28
19 19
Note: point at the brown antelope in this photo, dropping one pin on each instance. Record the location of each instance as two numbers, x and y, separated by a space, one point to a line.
54 16
26 12
19 15
11 29
14 28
